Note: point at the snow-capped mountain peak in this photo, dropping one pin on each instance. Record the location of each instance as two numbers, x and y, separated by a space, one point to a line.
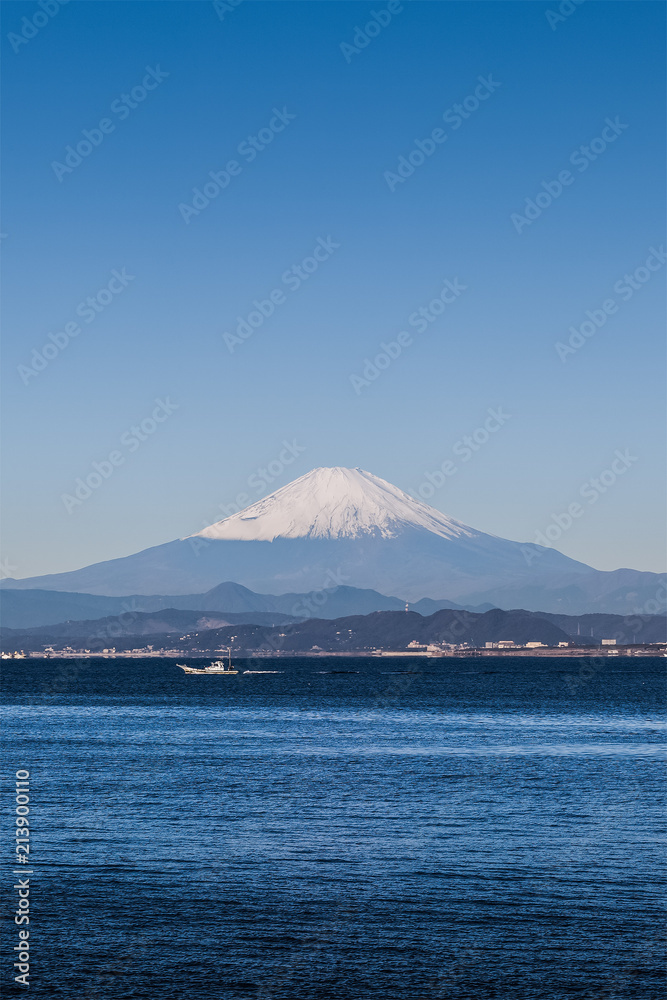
334 503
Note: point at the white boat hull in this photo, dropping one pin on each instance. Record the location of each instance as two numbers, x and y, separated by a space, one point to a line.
206 670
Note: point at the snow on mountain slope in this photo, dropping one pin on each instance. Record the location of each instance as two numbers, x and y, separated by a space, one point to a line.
334 503
336 527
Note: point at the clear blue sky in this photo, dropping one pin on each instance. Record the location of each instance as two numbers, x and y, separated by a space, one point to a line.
323 176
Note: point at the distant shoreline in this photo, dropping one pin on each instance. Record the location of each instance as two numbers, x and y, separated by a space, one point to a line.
656 651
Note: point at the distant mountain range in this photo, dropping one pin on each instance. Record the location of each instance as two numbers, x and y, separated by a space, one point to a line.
197 631
24 609
345 527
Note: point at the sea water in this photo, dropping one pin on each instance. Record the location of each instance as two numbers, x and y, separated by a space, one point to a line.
348 828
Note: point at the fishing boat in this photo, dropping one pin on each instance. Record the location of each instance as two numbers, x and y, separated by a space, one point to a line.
216 667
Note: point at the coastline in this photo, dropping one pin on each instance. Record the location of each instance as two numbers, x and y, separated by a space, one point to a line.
656 651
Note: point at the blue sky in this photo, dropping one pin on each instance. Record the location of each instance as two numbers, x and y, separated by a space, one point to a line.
345 117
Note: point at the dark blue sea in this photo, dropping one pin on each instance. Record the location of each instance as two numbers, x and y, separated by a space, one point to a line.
346 829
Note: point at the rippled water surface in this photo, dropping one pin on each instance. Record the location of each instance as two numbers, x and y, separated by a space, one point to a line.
406 829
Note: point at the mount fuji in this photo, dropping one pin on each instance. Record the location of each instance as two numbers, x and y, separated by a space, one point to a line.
336 526
334 504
